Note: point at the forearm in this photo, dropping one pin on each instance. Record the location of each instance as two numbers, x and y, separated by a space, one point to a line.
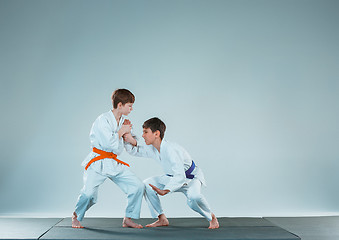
128 138
136 150
133 142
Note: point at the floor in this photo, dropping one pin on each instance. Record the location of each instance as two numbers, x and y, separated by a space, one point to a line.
277 228
310 228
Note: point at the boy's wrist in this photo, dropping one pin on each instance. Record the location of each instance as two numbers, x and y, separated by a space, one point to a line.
121 133
134 142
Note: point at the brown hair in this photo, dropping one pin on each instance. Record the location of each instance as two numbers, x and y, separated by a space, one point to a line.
155 124
122 95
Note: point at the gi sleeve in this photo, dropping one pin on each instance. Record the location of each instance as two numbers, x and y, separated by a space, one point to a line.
139 150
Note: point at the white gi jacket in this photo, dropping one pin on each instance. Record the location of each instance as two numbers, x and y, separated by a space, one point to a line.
174 160
104 135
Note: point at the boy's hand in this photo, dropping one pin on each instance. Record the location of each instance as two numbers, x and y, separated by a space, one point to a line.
127 122
125 129
129 138
159 191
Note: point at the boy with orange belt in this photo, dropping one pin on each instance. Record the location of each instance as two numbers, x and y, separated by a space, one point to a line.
102 163
181 173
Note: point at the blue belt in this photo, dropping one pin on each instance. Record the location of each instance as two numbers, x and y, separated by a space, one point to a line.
187 172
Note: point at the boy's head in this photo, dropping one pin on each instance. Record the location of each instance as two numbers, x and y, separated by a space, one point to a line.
119 99
152 129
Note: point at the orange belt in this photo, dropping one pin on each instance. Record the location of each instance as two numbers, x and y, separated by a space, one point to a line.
104 154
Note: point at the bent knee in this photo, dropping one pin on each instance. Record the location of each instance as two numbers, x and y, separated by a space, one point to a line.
89 192
194 197
139 187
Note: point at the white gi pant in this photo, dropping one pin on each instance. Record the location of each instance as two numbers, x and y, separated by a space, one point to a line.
192 190
126 181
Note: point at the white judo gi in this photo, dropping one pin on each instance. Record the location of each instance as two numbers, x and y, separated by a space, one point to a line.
174 160
104 136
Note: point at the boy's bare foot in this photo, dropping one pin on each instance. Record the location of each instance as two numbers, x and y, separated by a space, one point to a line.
214 222
161 222
127 222
75 221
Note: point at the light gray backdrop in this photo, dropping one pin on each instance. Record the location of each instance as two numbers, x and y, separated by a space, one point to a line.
249 88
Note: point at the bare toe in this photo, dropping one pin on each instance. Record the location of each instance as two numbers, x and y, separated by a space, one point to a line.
214 222
75 222
127 222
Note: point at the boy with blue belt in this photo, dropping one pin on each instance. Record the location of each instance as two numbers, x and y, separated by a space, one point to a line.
102 163
181 173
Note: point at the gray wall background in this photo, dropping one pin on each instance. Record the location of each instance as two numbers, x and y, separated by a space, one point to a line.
249 88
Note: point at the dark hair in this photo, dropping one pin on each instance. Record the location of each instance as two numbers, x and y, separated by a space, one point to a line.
122 95
155 124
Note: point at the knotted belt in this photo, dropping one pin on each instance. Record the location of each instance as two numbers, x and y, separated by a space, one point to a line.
188 172
102 155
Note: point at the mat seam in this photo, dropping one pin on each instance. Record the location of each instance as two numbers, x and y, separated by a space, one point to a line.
283 228
49 229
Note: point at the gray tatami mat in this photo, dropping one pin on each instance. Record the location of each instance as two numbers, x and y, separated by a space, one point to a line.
310 228
110 228
25 228
180 228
